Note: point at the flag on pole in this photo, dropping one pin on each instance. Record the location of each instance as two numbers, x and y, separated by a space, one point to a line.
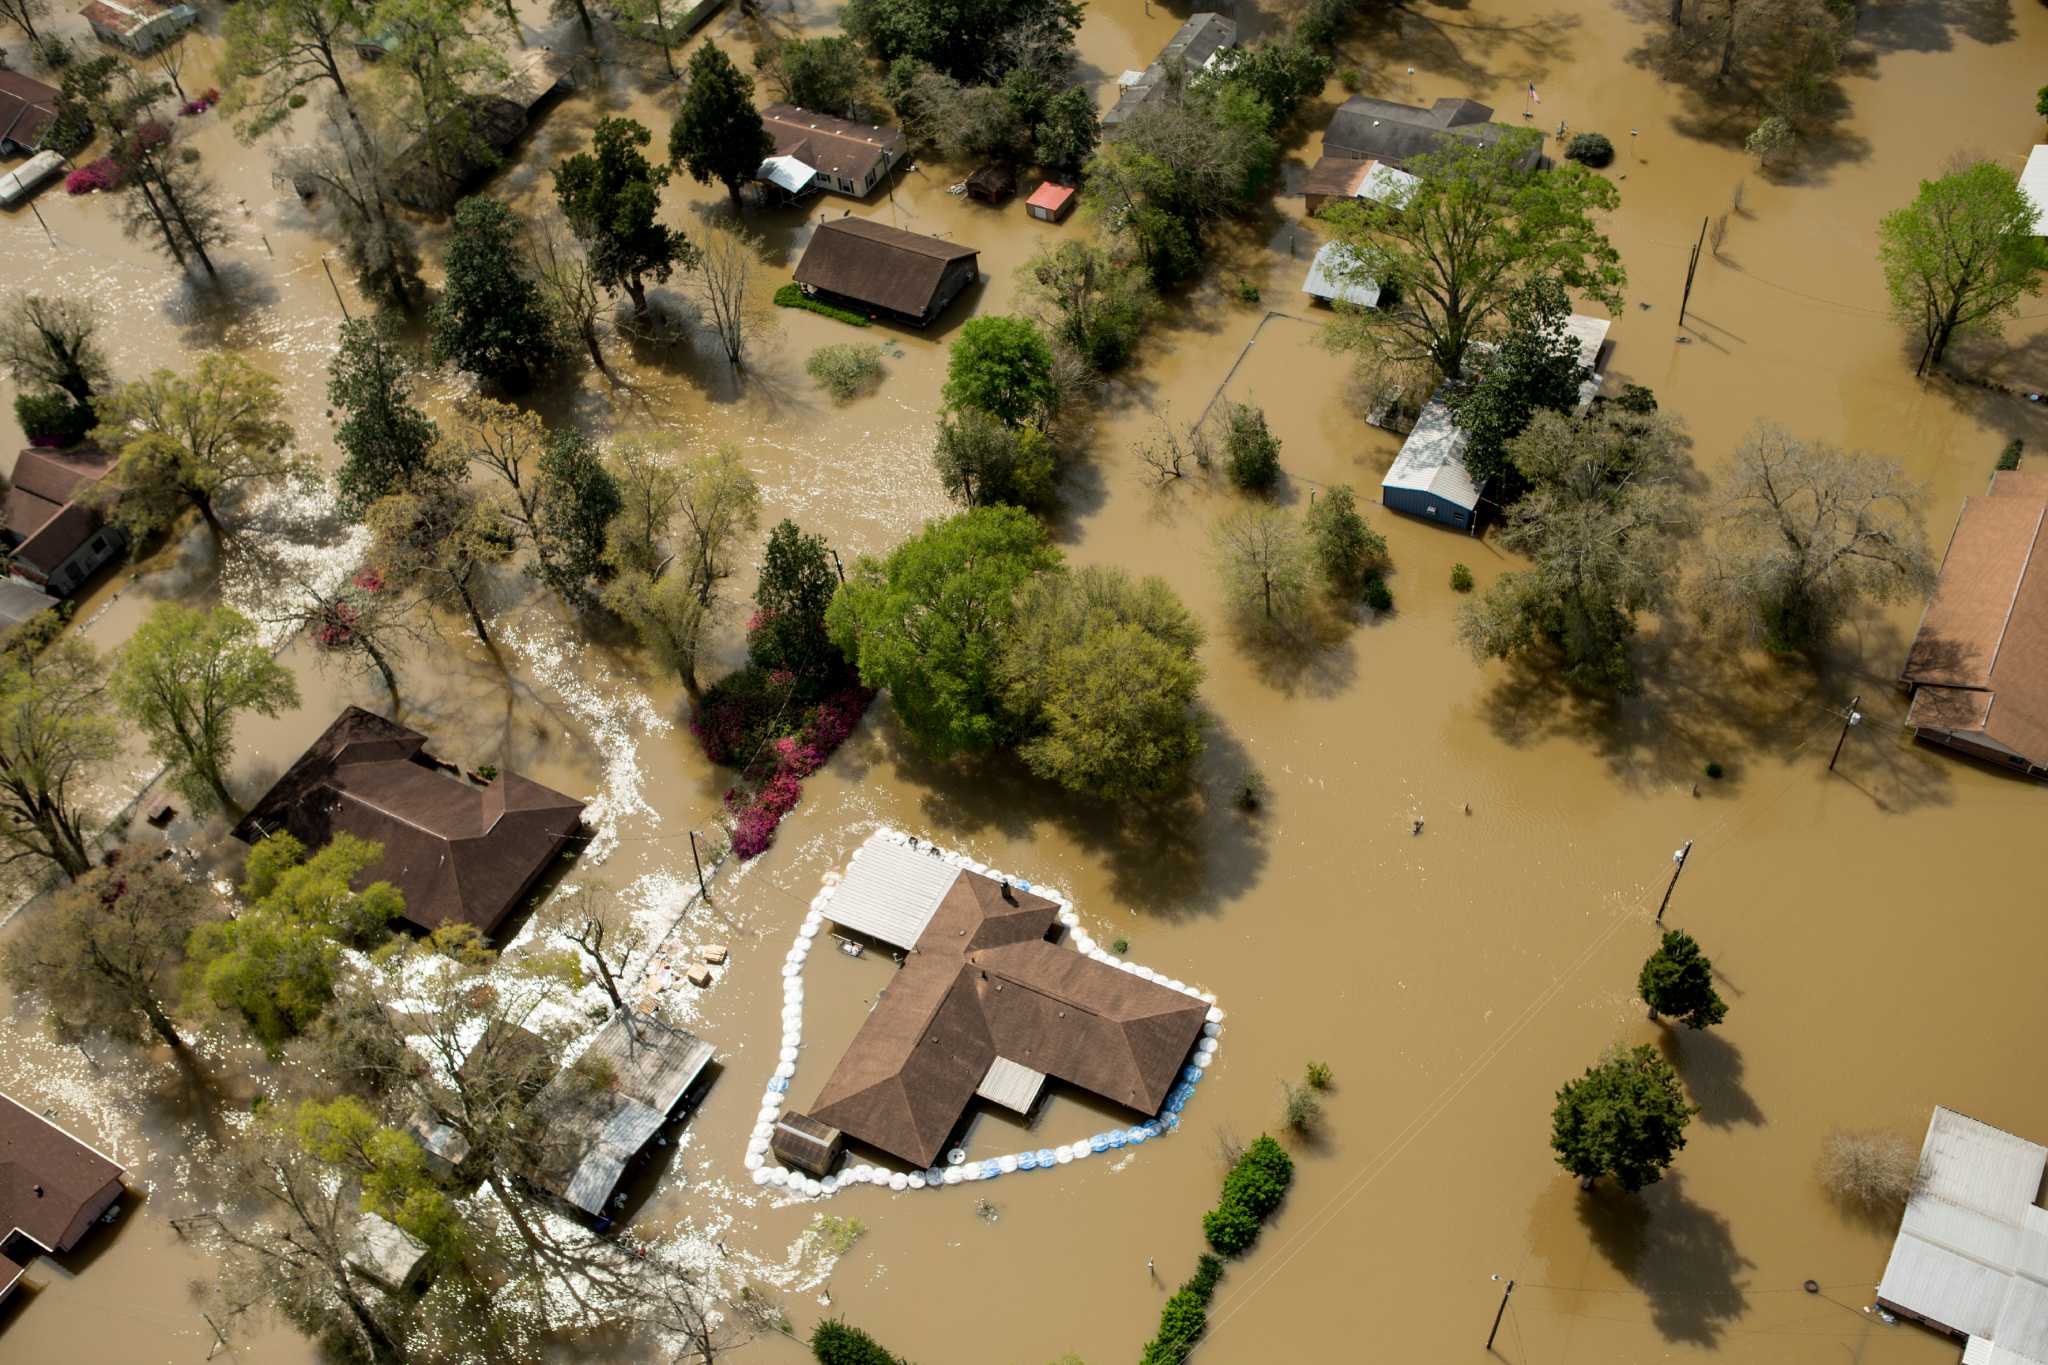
1532 93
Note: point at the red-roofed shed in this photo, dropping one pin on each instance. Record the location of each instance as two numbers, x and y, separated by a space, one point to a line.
1050 203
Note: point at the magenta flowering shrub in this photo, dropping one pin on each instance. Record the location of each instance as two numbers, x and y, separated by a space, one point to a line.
792 758
102 174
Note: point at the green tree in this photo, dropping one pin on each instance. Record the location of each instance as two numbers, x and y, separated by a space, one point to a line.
578 497
1803 531
611 196
668 618
384 437
1067 133
1959 258
1088 301
1099 674
275 51
435 533
976 41
490 320
835 1343
1283 72
1465 240
929 622
183 678
55 729
1599 521
1263 559
1346 550
276 974
387 1166
184 442
828 74
319 891
435 59
1251 452
981 461
107 950
1678 980
791 598
1002 366
1532 368
650 493
52 343
718 133
1625 1117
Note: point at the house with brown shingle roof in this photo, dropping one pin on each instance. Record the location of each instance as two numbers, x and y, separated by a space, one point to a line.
871 267
27 109
987 1004
844 157
54 538
53 1188
458 853
1978 668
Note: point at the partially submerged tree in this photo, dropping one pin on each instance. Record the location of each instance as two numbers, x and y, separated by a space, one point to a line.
1678 980
1089 301
1251 452
363 621
192 442
576 499
435 534
105 953
183 678
727 257
1533 368
385 439
791 597
490 319
345 169
1875 1172
650 494
981 461
1263 559
56 726
1003 367
605 932
718 133
569 287
611 197
52 343
1959 258
1476 229
1803 532
828 74
1625 1117
970 40
1347 551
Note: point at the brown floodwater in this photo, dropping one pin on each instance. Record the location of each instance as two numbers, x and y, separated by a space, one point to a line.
1876 928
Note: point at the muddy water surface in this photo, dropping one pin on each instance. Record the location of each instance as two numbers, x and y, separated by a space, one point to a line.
1875 928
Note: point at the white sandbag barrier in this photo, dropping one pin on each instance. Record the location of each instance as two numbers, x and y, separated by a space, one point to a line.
958 1170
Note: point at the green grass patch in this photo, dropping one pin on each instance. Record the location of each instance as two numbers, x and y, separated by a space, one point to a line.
791 296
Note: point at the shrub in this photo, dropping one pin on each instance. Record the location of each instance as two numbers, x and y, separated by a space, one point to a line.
1121 945
1251 791
1378 595
103 174
1250 452
846 368
835 1343
792 296
1270 1156
1346 549
1247 292
52 419
2009 458
1208 1270
1876 1172
1255 1187
1302 1110
1317 1074
741 712
1461 578
1590 149
1715 770
1231 1227
1352 79
1185 1316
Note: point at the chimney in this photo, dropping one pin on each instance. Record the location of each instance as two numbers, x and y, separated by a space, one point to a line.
1008 894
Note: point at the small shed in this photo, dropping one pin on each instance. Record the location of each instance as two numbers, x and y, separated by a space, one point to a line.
1336 273
1050 203
790 175
386 1254
807 1144
22 181
1429 478
19 601
138 25
444 1149
992 184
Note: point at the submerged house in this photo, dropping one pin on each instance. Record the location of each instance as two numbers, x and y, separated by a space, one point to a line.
818 152
1971 1257
458 853
1368 129
1193 48
27 109
1336 178
141 26
53 1188
431 180
1978 668
606 1107
54 537
987 1005
872 267
1429 479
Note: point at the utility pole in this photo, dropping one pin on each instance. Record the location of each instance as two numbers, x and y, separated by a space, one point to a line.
702 889
1679 858
1691 268
1498 1314
335 287
39 218
1850 718
841 567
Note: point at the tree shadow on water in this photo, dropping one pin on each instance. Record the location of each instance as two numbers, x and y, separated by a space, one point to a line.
1678 1254
1712 1068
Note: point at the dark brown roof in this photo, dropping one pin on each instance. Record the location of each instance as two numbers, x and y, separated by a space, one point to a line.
1398 133
44 519
840 148
983 981
52 1186
1336 177
870 262
459 854
27 108
1979 662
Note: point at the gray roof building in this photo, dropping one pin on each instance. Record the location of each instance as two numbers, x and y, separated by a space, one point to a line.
1381 130
1191 49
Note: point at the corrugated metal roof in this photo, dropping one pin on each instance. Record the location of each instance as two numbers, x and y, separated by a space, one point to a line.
786 172
1011 1084
891 892
1331 275
2034 184
1432 459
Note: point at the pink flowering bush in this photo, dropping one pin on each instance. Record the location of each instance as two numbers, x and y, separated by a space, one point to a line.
102 174
794 757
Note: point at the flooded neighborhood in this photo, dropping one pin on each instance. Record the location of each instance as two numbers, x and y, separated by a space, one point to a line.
757 764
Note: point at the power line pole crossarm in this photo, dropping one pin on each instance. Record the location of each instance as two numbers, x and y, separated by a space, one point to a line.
1850 718
1498 1314
1678 858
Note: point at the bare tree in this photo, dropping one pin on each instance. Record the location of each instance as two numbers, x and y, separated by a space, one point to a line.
725 271
345 167
604 930
1803 531
1876 1172
436 534
364 621
23 14
1264 560
1171 451
571 289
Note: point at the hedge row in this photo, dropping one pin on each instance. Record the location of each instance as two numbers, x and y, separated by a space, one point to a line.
836 1343
791 296
1252 1190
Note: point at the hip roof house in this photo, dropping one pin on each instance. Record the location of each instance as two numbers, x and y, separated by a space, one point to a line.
1978 668
27 109
457 853
871 266
817 151
1192 48
986 1005
1381 130
53 1188
55 538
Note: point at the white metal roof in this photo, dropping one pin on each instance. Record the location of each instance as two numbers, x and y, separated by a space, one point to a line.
1972 1247
1011 1084
1330 276
388 1252
1387 184
28 175
891 892
1432 459
787 172
2034 184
